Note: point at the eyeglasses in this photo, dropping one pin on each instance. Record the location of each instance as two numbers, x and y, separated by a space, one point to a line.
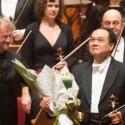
114 23
5 37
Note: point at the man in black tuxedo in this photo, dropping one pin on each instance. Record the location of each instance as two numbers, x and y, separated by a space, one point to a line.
100 79
112 19
21 12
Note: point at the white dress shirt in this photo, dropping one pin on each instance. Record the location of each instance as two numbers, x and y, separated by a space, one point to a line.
119 55
8 8
98 78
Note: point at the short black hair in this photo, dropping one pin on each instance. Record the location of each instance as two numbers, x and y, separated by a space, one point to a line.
112 36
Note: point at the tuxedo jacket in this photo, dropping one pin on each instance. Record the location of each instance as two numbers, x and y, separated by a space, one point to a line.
27 13
114 84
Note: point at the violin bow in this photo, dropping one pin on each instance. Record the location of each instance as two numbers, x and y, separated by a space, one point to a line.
114 111
23 42
118 41
35 121
72 52
16 21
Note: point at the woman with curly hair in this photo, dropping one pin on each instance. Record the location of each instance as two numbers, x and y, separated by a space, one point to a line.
48 34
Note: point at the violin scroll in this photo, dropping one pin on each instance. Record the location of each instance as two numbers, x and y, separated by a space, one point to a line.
113 102
59 54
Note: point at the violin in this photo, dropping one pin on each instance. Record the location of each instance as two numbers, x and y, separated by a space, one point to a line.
42 119
42 115
59 54
72 52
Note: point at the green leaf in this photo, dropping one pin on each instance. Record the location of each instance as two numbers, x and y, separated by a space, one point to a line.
26 74
67 83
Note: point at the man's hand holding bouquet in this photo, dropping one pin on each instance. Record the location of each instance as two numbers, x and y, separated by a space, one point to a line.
57 90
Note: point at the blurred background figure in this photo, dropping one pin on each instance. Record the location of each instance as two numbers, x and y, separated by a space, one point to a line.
20 12
96 13
48 35
94 17
112 19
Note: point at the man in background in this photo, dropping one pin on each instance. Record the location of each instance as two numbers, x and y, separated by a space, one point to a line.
112 19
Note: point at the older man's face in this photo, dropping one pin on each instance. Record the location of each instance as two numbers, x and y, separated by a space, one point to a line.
112 20
5 39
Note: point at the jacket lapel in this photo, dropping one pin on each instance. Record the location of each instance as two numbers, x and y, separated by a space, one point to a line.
19 7
87 83
112 72
124 51
0 9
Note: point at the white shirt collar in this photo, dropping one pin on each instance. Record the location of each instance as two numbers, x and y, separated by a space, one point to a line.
100 67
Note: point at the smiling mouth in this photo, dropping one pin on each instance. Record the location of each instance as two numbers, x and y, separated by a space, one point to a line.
6 44
94 49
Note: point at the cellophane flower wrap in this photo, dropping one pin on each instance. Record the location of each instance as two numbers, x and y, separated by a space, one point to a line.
60 87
